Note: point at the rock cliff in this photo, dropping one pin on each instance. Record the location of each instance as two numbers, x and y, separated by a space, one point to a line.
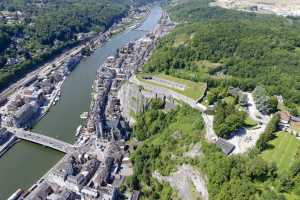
132 101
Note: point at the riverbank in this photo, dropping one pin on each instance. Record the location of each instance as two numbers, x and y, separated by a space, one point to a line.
29 104
63 119
100 132
7 145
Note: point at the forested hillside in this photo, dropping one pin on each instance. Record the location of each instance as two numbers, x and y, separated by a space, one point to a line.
166 138
233 52
37 30
253 49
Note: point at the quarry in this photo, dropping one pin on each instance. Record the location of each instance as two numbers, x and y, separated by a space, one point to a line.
278 7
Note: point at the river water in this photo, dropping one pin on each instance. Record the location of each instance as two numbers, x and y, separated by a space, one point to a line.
25 163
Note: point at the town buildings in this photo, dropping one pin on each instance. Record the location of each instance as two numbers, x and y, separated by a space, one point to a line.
36 95
96 169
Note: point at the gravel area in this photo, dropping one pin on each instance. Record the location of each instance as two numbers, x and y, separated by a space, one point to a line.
246 139
184 180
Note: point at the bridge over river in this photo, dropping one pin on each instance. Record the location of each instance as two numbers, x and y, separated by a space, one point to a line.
43 140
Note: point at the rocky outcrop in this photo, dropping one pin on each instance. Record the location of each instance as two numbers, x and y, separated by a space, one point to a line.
184 180
132 101
168 93
279 7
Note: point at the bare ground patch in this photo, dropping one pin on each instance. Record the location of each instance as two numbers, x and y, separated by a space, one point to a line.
187 181
279 7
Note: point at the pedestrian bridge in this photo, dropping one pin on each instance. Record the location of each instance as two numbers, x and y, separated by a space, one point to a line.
42 140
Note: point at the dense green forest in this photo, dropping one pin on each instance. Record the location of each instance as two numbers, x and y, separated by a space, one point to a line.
253 49
164 140
227 49
46 29
227 119
167 138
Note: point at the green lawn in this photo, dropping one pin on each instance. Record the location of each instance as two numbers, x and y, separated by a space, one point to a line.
193 90
284 151
181 39
291 197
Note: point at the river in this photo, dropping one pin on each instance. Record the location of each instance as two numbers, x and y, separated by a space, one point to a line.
25 163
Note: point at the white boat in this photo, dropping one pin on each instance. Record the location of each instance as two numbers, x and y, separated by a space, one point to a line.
84 115
78 130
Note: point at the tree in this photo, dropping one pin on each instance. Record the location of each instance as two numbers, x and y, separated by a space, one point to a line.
4 41
3 61
237 189
264 103
273 104
227 119
151 121
268 134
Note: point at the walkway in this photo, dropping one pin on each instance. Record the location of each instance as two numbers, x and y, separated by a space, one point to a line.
244 140
208 119
168 92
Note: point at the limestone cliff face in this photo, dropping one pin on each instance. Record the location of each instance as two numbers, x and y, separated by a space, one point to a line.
132 101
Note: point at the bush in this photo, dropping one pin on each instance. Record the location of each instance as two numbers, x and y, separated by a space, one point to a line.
151 121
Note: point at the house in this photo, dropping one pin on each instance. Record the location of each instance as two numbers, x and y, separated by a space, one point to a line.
118 129
225 146
284 117
104 177
90 192
25 114
41 192
295 119
64 195
3 101
75 182
63 171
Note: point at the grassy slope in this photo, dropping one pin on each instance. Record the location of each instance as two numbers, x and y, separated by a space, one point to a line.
283 152
193 90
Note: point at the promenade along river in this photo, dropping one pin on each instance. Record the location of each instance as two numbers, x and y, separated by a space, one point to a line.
25 163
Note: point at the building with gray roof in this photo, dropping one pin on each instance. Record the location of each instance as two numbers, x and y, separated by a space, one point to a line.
225 146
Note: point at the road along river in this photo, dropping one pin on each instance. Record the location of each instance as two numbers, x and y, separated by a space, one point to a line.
25 163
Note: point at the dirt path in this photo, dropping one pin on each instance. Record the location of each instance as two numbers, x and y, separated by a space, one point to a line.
209 125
